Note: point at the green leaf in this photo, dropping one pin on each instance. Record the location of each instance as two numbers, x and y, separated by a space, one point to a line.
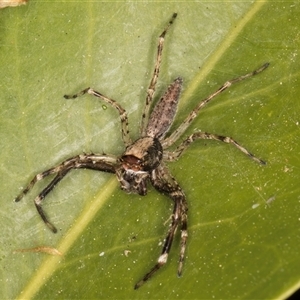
243 217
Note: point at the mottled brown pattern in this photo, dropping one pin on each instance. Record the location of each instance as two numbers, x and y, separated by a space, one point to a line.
143 161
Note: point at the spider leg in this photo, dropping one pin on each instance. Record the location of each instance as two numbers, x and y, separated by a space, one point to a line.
171 156
103 163
123 115
38 200
151 88
182 128
162 180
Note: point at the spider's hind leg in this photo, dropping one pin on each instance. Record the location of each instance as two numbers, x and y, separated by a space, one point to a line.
152 85
194 113
171 156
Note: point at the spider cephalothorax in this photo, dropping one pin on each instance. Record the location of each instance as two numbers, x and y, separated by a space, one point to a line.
139 159
143 161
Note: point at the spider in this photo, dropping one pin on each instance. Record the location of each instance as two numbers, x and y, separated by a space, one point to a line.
144 160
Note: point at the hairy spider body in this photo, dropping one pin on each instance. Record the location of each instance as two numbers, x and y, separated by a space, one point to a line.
144 160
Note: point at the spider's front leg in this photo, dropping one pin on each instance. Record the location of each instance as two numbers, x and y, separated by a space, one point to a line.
103 163
163 181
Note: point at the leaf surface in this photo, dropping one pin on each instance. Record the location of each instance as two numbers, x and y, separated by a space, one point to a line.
243 217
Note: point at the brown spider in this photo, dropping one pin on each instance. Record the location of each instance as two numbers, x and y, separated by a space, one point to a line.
144 159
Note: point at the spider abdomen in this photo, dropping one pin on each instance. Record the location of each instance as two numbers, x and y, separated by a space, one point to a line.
164 111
